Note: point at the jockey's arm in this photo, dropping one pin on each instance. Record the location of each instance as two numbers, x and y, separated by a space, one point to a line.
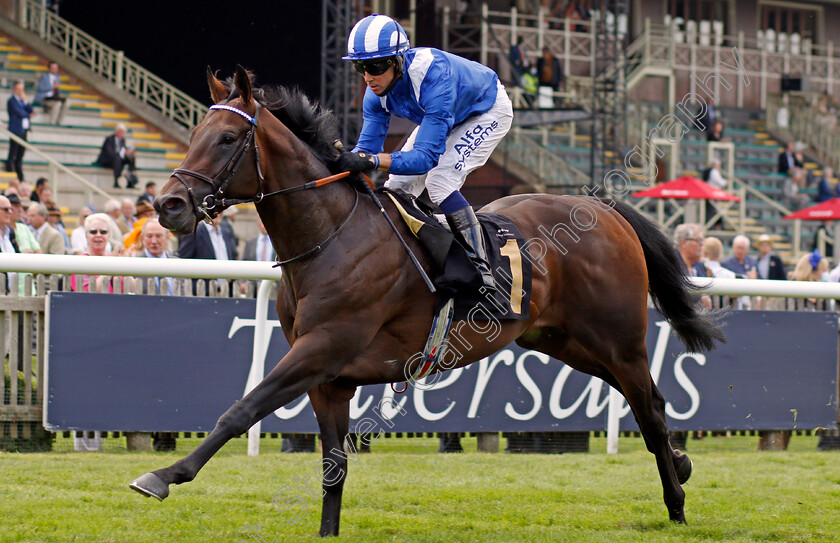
384 162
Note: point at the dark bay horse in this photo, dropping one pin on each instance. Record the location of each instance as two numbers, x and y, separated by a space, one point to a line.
354 309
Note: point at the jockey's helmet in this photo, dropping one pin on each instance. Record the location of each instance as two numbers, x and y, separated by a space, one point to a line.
376 36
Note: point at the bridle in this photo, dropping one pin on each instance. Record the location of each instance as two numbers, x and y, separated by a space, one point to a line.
217 200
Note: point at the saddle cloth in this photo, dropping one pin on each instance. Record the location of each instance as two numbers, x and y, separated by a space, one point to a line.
454 276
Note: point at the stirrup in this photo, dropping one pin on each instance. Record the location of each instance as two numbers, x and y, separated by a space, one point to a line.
436 343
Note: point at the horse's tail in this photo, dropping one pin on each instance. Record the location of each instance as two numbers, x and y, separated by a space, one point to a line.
668 286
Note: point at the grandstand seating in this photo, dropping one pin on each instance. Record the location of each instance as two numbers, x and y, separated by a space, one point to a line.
756 155
89 120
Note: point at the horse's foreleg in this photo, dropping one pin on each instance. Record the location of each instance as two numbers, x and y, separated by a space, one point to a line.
306 366
332 408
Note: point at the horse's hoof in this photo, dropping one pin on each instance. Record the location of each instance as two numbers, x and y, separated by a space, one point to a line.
684 467
150 485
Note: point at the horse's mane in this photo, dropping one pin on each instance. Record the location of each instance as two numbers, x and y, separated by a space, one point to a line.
315 126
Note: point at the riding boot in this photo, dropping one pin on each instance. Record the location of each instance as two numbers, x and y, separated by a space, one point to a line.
467 231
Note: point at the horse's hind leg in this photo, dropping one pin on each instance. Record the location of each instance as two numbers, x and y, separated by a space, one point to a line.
332 409
626 369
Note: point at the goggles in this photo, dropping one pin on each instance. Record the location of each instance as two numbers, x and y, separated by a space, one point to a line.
376 66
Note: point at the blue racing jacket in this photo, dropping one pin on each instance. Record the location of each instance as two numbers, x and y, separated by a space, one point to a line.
438 90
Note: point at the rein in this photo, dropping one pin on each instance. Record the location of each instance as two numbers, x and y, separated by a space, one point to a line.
217 199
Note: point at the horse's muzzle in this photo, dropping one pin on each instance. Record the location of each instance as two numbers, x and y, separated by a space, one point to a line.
174 213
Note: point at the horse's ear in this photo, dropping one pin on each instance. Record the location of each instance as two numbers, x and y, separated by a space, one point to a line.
243 83
218 92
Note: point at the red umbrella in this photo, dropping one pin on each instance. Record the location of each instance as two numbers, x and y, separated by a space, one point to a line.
686 188
826 211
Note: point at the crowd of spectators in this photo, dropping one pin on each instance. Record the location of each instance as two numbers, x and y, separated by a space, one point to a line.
119 228
703 256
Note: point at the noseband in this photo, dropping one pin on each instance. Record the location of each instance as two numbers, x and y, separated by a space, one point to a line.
217 199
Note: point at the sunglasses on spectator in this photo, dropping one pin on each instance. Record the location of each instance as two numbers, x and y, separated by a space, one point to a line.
94 232
376 66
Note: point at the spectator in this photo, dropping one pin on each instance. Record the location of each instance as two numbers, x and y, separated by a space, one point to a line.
25 238
826 186
25 191
811 267
154 239
529 87
149 194
208 241
8 240
549 72
19 123
741 262
712 249
716 133
98 234
259 247
47 237
518 60
228 218
49 95
112 209
144 212
78 239
788 160
40 185
713 176
116 155
577 12
688 238
792 190
769 266
47 197
54 220
706 117
125 219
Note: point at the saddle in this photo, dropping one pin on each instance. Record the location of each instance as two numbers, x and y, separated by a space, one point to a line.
454 275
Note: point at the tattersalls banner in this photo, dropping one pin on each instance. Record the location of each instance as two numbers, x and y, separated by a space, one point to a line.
150 363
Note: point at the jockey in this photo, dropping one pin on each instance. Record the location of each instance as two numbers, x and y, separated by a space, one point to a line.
462 112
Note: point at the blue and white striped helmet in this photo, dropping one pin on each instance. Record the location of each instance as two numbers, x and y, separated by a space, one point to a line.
376 36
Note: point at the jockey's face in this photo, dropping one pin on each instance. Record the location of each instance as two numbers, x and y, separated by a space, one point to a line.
378 83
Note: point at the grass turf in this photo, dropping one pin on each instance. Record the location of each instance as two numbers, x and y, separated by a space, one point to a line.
404 491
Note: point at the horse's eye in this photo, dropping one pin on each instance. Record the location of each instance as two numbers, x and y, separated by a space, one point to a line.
226 139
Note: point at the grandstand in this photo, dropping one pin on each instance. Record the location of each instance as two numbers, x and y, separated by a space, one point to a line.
157 116
743 55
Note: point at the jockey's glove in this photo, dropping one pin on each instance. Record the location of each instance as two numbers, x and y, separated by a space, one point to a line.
357 162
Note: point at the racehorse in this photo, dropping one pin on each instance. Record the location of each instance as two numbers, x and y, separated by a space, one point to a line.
353 306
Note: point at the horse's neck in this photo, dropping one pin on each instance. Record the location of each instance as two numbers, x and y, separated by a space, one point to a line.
299 221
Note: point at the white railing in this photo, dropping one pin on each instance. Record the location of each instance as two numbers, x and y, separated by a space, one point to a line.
124 73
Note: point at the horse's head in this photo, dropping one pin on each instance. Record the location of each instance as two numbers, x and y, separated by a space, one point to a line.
222 165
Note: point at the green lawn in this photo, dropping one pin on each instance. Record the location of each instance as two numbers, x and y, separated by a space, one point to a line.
404 491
